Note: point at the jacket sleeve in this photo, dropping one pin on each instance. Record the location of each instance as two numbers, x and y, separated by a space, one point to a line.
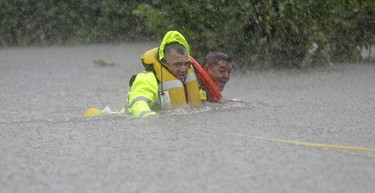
143 94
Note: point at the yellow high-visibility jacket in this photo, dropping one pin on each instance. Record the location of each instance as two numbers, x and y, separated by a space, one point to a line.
160 88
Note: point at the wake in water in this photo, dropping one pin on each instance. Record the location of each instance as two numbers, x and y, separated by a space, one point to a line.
208 107
232 104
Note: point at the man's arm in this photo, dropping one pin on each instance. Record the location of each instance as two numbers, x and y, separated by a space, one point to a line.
143 94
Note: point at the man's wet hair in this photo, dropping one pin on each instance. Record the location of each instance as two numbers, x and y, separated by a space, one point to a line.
174 46
213 57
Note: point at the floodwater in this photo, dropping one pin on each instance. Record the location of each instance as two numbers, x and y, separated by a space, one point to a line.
46 145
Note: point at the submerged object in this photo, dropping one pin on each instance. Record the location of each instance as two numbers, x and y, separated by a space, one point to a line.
92 112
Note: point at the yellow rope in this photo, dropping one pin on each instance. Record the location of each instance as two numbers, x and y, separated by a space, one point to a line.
318 145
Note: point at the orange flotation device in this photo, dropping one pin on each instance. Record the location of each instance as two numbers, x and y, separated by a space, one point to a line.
207 82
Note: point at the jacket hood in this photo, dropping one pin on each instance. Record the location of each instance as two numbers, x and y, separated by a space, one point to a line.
171 37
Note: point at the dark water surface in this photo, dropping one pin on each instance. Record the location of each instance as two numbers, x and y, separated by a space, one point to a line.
46 145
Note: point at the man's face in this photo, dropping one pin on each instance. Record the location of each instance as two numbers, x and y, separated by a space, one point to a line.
177 64
220 73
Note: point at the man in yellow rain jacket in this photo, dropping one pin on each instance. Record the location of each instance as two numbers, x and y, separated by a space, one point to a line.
169 80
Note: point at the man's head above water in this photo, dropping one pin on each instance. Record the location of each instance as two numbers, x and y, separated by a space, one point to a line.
176 60
219 67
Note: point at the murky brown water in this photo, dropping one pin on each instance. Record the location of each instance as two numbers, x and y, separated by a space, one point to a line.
47 146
